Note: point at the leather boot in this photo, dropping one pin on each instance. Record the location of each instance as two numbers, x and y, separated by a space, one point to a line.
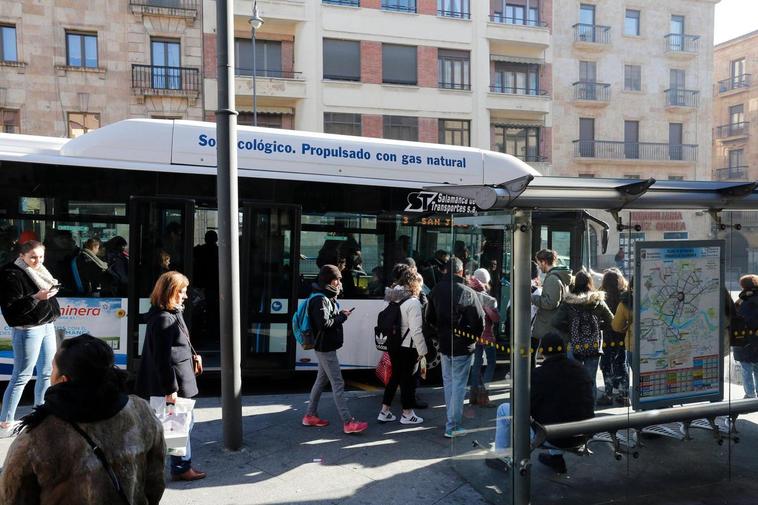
484 399
473 396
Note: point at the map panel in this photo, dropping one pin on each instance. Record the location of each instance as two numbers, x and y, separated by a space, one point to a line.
678 322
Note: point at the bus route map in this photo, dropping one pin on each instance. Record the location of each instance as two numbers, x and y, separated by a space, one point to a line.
679 321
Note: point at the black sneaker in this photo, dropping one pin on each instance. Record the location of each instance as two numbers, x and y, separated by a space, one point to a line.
554 461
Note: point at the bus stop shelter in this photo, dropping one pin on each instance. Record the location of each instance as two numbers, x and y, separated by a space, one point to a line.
524 195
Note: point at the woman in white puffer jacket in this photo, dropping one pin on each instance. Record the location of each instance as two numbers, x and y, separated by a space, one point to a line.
412 348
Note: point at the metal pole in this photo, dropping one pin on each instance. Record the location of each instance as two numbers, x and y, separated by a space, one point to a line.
228 231
255 108
520 350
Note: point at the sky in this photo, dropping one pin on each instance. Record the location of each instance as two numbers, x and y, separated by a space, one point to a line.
735 18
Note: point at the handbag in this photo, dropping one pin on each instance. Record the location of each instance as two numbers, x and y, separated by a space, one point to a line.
197 364
384 368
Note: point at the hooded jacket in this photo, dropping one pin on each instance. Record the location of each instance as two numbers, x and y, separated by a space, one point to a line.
53 465
326 321
166 365
455 306
554 288
489 304
411 318
17 302
593 301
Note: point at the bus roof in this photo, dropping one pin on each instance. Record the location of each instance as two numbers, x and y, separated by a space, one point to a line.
190 146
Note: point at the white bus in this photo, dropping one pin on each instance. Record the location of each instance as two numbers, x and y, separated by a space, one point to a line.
305 199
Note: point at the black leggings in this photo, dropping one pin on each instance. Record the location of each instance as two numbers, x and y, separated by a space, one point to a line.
403 362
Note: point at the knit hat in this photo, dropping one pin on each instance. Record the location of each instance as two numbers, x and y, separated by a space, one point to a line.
327 274
482 275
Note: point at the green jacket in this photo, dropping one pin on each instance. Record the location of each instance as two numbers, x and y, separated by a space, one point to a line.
554 289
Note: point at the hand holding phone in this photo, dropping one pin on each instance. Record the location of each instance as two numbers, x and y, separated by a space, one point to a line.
351 310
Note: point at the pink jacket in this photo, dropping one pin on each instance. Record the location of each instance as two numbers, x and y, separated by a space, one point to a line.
489 304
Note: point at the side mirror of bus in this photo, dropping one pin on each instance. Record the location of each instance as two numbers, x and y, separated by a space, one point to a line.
604 240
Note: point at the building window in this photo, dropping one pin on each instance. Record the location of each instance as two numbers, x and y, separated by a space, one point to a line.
516 78
454 8
631 140
632 22
737 114
81 50
633 77
265 119
8 43
166 71
520 141
401 128
736 158
399 64
342 60
454 69
11 121
268 57
80 123
737 68
342 124
455 132
399 5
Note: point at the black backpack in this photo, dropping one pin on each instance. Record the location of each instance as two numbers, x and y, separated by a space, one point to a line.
584 333
387 336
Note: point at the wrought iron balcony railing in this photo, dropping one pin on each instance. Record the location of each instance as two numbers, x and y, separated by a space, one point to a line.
595 91
735 82
184 7
732 129
498 17
512 90
462 13
597 34
154 77
679 97
619 150
738 173
399 5
682 43
264 72
352 3
454 85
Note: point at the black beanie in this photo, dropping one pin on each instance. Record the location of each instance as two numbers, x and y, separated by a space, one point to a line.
327 274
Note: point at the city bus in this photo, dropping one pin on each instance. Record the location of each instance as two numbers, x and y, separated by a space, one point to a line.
146 189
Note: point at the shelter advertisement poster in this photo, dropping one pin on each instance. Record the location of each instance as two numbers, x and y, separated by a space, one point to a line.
678 321
102 317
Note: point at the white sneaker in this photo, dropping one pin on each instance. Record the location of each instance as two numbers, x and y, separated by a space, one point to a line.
386 417
9 431
411 419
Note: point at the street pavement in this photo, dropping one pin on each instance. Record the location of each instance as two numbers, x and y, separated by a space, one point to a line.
283 462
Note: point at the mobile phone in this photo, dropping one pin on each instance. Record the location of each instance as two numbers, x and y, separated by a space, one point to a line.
351 310
56 286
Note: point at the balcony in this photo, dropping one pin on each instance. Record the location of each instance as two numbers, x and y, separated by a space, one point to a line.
349 3
731 173
531 100
592 93
399 5
187 9
520 31
498 17
733 131
678 97
273 83
458 14
646 151
591 36
738 82
463 86
677 44
153 80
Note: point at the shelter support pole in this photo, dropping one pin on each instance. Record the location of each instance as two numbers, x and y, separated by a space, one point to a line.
520 350
228 231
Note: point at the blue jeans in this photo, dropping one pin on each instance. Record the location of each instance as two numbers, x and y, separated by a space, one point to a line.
180 464
749 377
455 371
503 430
31 346
590 364
489 371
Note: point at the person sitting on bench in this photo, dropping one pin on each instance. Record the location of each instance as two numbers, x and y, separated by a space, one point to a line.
561 392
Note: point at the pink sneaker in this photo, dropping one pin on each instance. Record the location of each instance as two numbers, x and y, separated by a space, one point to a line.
315 421
353 426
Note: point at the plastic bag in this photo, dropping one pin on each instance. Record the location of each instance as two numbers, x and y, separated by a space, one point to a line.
176 420
384 368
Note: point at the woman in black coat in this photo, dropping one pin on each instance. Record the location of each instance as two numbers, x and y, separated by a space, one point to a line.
167 367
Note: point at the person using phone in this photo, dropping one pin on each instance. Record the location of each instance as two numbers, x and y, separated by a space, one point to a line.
28 304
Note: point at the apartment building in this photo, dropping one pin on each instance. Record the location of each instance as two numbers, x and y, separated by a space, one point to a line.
632 88
461 72
67 67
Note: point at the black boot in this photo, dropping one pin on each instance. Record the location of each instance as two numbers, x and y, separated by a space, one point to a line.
554 461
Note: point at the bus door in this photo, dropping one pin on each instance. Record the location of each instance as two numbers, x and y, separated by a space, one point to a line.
561 232
270 277
160 239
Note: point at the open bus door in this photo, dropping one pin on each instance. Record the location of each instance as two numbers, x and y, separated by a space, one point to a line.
160 239
269 252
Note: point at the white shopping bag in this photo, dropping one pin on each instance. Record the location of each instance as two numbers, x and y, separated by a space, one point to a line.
176 420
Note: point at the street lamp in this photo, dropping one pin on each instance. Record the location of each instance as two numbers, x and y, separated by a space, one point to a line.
255 23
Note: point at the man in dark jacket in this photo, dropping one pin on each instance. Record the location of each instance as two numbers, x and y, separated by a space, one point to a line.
326 320
561 392
456 313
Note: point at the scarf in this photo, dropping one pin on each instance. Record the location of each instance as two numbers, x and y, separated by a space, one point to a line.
40 275
79 401
102 265
331 291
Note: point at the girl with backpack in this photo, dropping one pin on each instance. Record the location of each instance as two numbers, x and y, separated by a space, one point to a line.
412 347
582 317
613 360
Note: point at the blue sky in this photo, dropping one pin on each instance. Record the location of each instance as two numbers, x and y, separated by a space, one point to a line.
735 18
